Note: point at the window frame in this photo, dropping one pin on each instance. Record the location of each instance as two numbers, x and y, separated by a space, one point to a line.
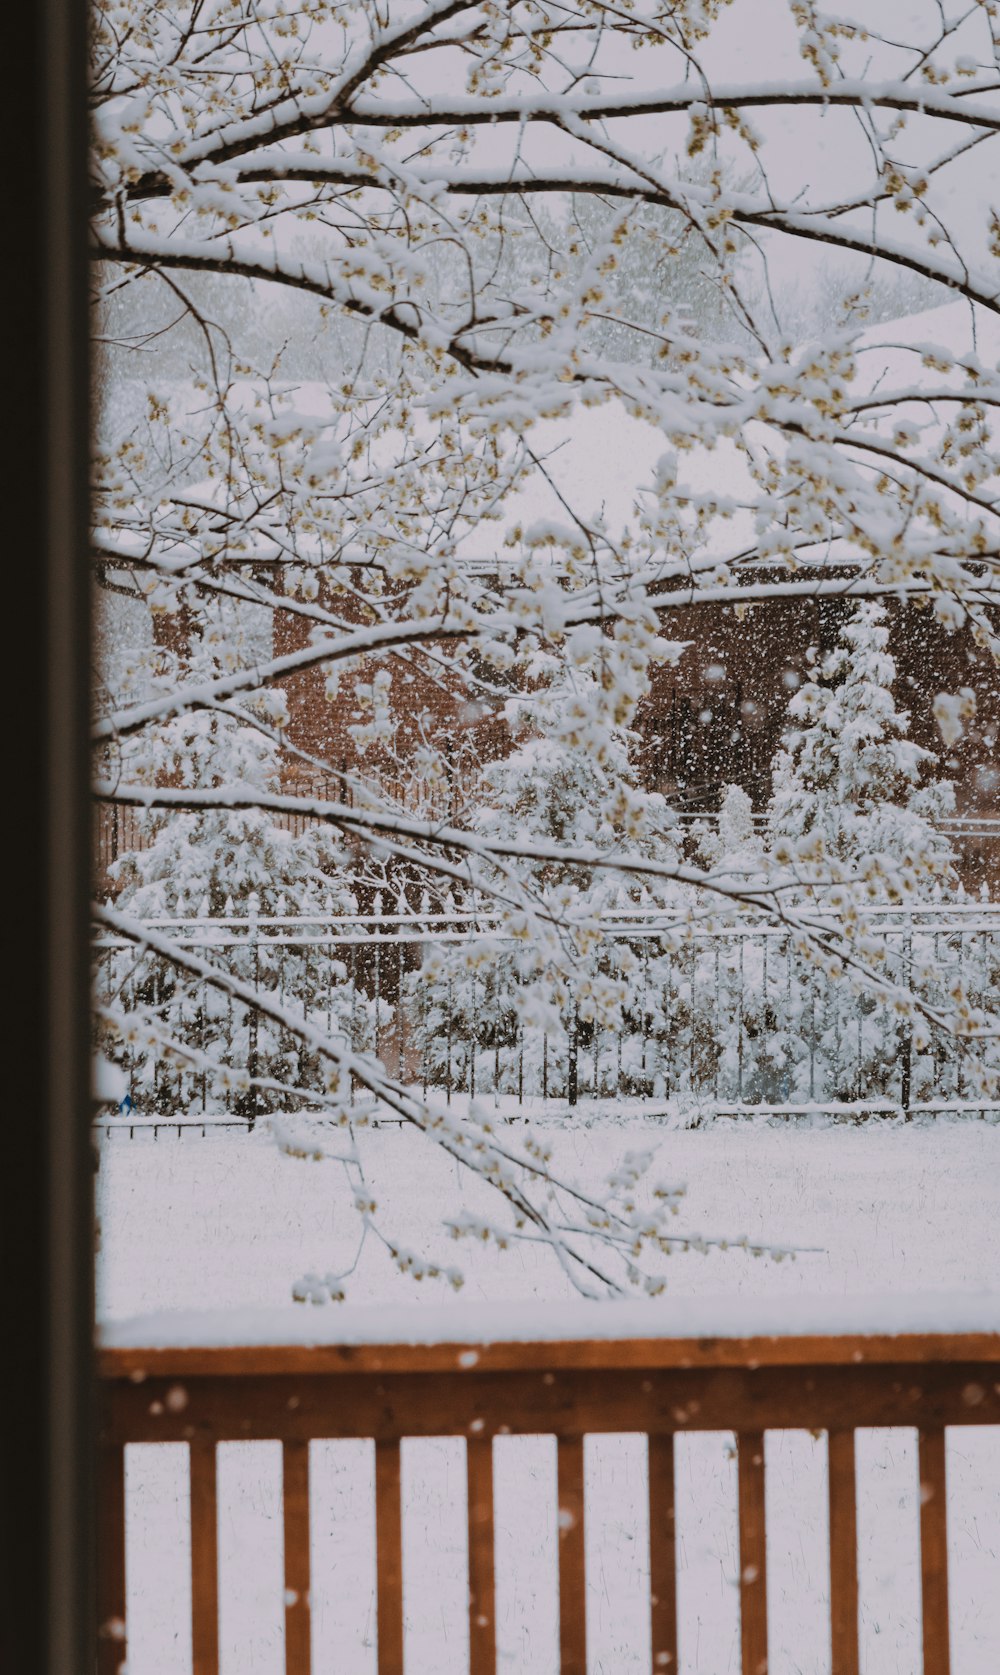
46 1184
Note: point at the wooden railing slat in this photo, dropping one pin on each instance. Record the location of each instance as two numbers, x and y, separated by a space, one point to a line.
843 1553
204 1560
482 1589
572 1558
934 1552
389 1558
112 1646
663 1554
295 1495
753 1553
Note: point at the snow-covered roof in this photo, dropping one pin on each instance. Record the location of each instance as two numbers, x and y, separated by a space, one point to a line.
961 328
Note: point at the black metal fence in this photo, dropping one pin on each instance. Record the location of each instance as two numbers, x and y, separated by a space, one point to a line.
736 1017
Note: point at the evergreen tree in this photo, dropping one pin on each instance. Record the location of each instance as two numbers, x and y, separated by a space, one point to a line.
563 1011
854 819
732 845
852 799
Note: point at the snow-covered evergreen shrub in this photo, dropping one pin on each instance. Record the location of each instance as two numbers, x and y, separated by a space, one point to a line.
234 865
567 1014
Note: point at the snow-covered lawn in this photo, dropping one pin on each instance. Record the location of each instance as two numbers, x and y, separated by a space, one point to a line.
228 1222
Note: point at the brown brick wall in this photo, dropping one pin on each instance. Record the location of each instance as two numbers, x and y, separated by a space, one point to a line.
715 718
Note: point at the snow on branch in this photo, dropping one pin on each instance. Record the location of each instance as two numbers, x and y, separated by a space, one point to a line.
460 369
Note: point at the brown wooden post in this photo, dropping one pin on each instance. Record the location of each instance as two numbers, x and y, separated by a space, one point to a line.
662 1555
204 1561
482 1593
753 1553
298 1619
389 1558
572 1559
111 1619
843 1552
934 1552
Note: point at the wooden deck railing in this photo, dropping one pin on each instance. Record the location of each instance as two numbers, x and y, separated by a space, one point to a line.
567 1389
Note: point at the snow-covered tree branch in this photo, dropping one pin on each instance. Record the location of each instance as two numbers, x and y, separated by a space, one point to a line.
364 275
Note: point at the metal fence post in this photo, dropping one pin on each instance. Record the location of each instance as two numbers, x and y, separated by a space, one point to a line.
906 1043
252 1022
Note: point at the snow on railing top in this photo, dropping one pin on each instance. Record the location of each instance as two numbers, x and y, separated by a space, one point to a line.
573 1320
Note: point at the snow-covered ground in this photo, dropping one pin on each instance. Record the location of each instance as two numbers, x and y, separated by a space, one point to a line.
229 1223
